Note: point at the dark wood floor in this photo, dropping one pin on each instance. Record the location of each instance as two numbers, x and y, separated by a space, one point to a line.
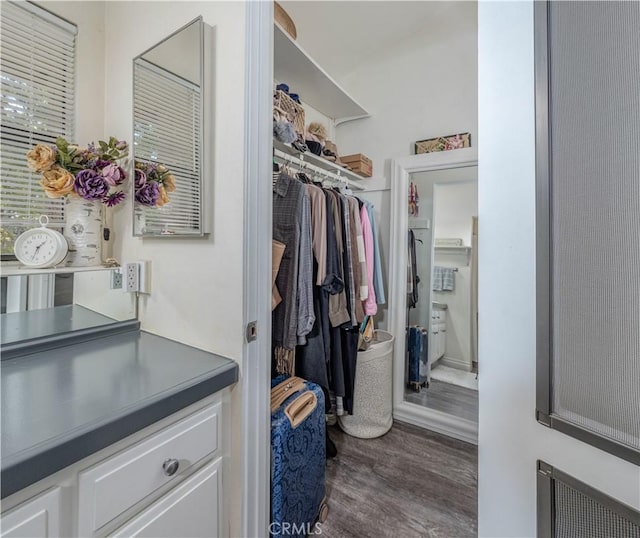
410 483
458 401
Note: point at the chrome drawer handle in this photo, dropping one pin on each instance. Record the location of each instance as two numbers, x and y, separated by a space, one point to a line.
170 466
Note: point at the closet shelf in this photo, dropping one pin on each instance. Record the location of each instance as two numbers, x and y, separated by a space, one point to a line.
351 178
292 65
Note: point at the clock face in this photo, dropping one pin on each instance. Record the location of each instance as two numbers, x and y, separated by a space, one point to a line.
39 247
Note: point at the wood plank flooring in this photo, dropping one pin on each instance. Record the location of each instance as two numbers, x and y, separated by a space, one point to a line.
448 398
410 483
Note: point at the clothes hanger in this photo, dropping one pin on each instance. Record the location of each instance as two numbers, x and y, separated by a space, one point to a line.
286 166
345 190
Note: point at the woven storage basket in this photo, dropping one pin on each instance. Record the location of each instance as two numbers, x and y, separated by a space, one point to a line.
293 110
283 19
373 390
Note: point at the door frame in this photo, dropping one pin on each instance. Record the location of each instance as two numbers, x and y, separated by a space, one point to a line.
404 411
256 364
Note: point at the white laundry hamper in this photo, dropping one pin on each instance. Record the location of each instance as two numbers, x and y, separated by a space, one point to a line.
373 390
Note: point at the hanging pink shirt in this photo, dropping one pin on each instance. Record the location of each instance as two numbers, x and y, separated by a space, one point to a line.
369 305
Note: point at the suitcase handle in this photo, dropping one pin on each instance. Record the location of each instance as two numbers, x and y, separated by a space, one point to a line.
301 408
282 391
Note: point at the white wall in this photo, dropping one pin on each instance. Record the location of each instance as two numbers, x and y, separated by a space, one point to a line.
454 206
423 87
197 284
510 439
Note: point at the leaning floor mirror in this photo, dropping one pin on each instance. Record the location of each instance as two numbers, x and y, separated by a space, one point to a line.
172 88
433 291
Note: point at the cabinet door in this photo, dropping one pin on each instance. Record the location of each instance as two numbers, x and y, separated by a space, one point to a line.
37 517
190 510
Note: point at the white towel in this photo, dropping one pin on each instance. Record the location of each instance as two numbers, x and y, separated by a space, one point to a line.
443 279
448 279
436 282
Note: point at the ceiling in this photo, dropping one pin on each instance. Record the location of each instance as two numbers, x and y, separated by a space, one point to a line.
340 35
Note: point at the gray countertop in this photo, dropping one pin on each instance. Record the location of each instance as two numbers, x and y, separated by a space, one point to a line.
30 324
61 405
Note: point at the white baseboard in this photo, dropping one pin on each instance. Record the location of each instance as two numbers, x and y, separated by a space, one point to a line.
430 419
458 364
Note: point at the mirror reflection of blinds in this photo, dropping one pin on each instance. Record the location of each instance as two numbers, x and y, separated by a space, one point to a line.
167 130
37 70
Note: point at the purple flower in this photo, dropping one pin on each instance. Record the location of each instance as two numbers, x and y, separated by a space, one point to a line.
114 198
140 178
114 174
100 164
122 145
148 194
90 185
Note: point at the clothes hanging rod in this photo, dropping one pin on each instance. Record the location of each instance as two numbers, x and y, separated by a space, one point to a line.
285 158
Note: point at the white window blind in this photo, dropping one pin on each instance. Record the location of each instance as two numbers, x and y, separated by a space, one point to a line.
167 121
37 70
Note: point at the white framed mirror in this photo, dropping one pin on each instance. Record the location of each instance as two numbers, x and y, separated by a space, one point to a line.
435 174
172 137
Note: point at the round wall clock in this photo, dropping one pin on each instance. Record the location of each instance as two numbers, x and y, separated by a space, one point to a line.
41 247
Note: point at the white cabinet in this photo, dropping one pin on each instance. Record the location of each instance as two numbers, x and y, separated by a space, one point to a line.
111 487
39 517
165 480
438 334
192 509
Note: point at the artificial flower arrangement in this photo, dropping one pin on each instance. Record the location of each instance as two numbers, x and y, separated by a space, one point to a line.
152 183
91 173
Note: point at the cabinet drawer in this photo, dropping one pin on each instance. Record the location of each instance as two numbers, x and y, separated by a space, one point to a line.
113 486
36 517
192 509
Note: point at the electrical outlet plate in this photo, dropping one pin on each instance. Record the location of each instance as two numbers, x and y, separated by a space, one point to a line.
137 277
131 277
116 279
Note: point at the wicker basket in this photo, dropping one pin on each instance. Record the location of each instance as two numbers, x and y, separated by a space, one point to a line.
283 19
293 111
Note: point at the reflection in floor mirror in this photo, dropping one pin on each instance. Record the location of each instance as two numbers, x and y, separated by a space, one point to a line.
441 346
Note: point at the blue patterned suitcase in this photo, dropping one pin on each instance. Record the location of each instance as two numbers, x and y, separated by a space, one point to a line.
297 457
418 358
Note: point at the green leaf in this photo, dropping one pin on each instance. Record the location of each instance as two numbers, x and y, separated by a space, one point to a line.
62 144
103 145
